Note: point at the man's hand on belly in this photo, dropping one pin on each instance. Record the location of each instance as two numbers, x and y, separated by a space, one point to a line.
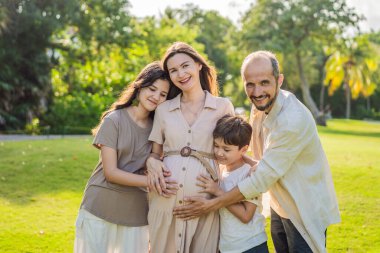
194 207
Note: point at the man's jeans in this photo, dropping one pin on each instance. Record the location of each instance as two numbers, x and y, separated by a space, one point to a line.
285 236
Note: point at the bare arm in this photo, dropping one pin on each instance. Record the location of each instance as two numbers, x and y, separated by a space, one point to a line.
244 211
116 175
198 206
250 161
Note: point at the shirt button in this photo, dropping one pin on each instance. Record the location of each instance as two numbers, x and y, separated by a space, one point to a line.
177 251
181 185
189 131
180 201
179 235
183 168
188 144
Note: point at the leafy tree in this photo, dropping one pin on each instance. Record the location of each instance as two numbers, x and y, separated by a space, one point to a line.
353 68
36 34
156 35
373 102
292 27
82 90
26 27
96 58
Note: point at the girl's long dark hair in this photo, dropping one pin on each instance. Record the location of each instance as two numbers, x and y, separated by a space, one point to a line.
207 75
145 78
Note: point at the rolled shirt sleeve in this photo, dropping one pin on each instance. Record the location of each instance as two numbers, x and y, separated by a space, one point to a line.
282 150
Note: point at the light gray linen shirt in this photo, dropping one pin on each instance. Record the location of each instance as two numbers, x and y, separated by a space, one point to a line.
293 167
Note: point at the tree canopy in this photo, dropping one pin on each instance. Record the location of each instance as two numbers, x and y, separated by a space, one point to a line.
65 61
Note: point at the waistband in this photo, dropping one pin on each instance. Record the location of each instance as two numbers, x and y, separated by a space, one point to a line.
200 155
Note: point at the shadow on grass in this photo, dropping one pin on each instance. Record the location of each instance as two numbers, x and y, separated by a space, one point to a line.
31 170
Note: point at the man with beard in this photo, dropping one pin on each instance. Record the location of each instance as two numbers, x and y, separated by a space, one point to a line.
292 165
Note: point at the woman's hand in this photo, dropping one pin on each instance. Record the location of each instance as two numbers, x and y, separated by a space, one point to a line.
156 175
209 185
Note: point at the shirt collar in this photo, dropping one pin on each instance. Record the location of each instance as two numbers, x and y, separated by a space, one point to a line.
175 103
210 102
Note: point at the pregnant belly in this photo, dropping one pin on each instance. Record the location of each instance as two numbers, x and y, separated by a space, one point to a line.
185 172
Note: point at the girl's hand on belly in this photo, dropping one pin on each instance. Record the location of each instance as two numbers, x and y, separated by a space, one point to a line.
171 187
156 174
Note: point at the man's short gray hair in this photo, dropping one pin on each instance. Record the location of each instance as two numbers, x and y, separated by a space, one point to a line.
263 54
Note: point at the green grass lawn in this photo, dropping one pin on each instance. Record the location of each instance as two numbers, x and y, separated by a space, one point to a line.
41 185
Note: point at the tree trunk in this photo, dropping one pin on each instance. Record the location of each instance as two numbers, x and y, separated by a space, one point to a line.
347 92
368 104
307 99
322 74
322 98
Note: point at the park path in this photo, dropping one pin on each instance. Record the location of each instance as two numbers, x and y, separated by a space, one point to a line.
22 137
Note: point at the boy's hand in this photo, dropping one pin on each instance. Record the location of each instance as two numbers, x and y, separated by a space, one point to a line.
250 161
209 185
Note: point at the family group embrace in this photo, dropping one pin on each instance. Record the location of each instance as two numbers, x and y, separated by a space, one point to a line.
174 175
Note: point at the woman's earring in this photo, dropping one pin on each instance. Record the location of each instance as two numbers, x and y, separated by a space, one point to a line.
135 102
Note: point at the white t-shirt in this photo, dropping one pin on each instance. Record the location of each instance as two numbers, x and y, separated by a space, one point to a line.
235 236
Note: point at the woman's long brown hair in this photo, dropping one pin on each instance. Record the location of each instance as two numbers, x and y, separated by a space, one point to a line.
207 75
145 78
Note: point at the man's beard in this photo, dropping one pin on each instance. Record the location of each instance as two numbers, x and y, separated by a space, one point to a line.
266 106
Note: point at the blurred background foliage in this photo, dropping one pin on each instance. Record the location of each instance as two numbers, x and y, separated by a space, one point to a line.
65 61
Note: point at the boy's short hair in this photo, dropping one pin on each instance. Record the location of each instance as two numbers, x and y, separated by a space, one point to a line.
233 130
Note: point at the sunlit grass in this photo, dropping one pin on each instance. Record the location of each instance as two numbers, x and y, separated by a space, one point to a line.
42 184
41 189
353 150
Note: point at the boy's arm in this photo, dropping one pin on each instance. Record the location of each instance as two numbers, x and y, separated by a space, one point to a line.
243 210
250 161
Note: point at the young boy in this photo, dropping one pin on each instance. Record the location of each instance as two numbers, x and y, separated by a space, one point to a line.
242 224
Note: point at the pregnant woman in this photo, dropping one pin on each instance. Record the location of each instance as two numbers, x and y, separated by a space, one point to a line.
182 136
